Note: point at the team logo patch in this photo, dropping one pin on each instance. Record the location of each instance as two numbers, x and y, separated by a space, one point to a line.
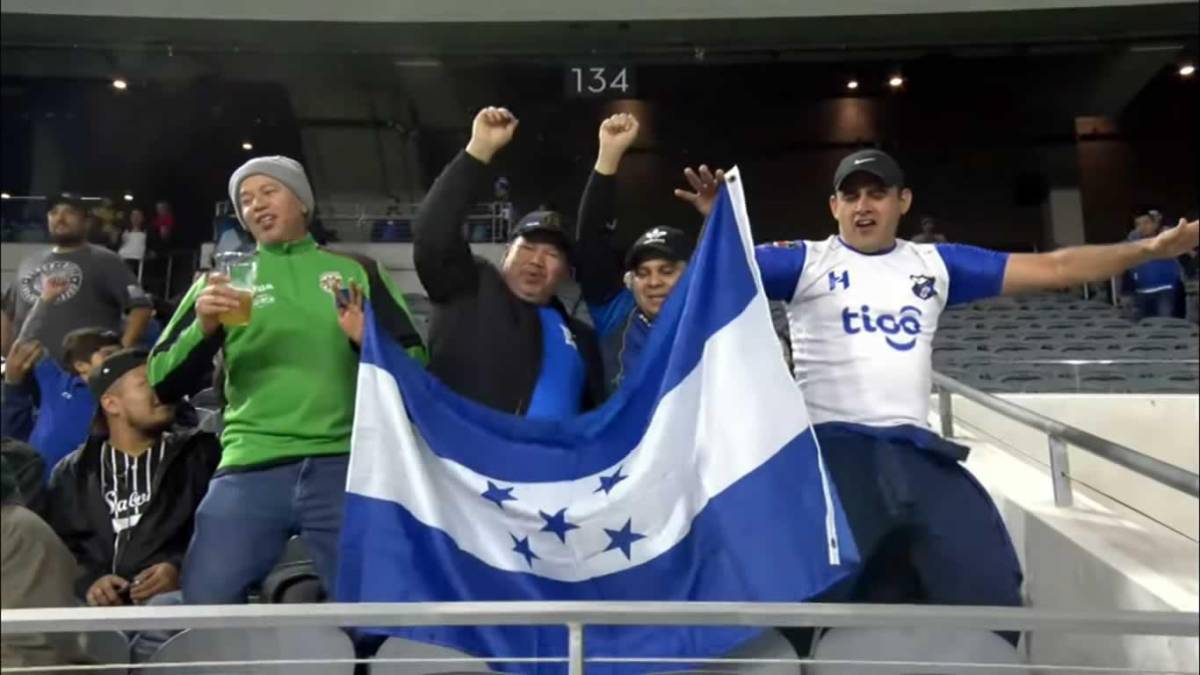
785 244
655 236
923 286
331 281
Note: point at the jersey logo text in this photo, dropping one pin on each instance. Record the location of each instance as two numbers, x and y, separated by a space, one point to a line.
835 279
900 332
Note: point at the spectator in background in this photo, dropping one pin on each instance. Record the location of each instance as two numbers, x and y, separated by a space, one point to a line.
98 287
929 233
501 337
163 226
124 502
624 289
36 571
390 228
289 375
133 241
1156 284
49 405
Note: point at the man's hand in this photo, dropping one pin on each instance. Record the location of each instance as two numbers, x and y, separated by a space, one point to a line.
216 299
351 317
23 357
617 133
705 185
1176 241
492 129
106 591
154 580
53 287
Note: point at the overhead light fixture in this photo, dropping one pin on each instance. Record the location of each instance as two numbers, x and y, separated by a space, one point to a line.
896 82
852 85
120 84
417 62
5 195
1187 70
128 196
247 146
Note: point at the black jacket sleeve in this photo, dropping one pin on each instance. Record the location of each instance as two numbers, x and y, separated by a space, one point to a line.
67 516
441 253
599 263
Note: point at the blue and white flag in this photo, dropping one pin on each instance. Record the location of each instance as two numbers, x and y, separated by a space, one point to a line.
700 480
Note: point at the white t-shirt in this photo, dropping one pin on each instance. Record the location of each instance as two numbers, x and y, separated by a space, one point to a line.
133 246
862 324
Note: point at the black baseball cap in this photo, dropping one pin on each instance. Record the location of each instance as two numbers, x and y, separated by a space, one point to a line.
543 226
875 162
114 368
666 243
71 199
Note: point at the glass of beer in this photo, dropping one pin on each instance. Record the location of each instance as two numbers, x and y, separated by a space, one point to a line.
241 267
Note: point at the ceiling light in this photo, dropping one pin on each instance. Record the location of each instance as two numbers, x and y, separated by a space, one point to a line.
120 85
1187 70
247 146
896 82
128 197
5 195
852 84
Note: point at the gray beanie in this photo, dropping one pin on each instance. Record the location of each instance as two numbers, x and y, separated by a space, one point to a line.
283 169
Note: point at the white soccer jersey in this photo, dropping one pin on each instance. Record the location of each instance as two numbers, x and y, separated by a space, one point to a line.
862 324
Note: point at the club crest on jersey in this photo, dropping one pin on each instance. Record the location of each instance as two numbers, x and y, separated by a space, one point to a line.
330 281
923 286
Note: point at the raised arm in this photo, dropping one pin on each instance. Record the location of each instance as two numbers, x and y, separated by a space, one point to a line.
599 261
1082 264
441 253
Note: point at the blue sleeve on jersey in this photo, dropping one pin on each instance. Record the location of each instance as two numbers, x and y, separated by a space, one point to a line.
608 316
781 265
975 273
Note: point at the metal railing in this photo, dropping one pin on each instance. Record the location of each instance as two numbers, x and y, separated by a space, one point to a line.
1059 436
577 616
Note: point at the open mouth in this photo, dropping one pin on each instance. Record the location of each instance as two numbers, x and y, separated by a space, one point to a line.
862 224
266 221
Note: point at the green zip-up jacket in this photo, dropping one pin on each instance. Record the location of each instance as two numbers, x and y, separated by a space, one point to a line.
291 373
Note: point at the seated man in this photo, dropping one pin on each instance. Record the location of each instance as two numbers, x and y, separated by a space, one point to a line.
501 337
864 308
124 502
625 290
48 406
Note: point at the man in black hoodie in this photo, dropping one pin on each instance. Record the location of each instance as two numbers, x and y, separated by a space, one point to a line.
500 336
124 501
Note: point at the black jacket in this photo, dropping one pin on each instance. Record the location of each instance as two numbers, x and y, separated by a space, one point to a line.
485 343
77 510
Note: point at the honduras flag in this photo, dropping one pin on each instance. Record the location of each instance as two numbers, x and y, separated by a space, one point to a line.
700 479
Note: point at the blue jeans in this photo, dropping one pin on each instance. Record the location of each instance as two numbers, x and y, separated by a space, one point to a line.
246 519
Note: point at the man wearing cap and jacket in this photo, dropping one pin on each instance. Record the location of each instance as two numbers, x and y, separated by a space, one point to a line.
97 287
864 308
500 336
289 386
624 289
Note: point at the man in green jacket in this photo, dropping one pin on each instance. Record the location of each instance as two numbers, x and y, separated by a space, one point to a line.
289 385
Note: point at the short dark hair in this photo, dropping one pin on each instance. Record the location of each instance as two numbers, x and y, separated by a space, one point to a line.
81 344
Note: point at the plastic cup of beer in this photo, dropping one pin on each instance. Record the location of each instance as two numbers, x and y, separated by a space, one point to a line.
241 268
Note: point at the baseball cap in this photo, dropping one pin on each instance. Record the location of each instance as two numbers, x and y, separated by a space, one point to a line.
875 162
667 243
72 199
543 226
113 368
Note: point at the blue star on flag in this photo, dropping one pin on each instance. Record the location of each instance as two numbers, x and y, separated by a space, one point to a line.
522 546
607 483
558 524
623 538
498 494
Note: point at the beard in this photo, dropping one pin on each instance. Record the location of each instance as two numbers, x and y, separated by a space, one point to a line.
66 239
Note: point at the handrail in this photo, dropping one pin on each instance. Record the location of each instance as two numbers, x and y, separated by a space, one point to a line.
1061 434
806 615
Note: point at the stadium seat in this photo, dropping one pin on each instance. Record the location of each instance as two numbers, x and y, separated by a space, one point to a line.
1104 380
926 646
400 648
259 644
294 578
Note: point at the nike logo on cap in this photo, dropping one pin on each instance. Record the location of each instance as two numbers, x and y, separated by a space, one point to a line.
863 160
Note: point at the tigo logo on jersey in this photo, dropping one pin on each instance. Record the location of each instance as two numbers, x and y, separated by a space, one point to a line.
900 332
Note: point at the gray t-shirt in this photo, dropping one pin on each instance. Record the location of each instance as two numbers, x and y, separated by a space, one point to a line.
101 288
